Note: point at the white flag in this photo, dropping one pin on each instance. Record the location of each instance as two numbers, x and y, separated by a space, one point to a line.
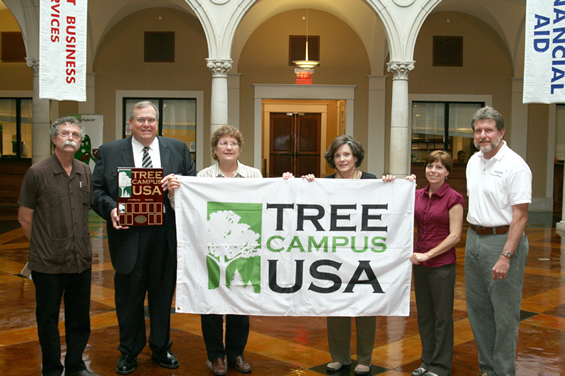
332 247
62 49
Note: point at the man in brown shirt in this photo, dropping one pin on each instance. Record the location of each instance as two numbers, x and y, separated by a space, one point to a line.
55 197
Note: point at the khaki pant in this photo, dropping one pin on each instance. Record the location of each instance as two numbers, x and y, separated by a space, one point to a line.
493 306
339 338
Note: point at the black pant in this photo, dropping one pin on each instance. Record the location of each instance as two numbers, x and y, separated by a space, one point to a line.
49 290
237 331
434 288
154 273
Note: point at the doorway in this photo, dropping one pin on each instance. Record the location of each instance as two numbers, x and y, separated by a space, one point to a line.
295 143
329 100
296 134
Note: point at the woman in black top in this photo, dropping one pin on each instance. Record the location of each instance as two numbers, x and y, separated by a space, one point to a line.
345 156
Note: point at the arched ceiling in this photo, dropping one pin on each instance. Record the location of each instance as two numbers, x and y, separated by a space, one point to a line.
506 17
103 15
356 13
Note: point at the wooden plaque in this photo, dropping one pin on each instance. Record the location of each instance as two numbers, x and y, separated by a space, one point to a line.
140 196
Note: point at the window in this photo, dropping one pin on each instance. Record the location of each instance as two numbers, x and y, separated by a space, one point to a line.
13 47
177 118
15 127
442 126
448 51
159 46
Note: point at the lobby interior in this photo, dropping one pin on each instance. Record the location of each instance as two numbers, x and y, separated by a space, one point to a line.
353 54
281 346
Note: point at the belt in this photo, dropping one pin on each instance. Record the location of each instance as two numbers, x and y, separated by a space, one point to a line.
481 230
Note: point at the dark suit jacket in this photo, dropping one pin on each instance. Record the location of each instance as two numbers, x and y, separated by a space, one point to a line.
175 158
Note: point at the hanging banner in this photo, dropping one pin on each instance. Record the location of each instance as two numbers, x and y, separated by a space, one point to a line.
544 72
62 49
332 247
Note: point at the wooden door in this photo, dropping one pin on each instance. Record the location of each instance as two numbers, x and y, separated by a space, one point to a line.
295 144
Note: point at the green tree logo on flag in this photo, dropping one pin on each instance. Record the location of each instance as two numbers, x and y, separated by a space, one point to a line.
234 242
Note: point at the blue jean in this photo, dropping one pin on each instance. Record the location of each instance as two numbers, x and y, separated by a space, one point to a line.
493 306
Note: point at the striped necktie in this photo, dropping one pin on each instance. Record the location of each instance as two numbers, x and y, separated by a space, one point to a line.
146 158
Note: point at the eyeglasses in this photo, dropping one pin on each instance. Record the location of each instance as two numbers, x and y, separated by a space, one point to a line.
66 134
232 144
141 120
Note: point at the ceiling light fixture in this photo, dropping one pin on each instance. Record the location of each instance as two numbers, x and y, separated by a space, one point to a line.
306 64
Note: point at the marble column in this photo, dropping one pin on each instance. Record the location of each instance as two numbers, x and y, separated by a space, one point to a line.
400 137
219 105
41 142
234 90
376 136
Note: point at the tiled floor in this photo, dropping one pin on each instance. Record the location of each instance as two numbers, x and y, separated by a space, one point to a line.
285 345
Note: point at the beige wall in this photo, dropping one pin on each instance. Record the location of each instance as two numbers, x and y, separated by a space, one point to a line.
68 107
119 63
13 76
487 66
264 60
487 70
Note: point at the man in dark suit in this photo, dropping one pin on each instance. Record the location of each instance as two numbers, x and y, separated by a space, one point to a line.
144 257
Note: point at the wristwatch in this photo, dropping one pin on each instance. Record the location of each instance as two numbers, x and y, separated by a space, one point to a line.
507 254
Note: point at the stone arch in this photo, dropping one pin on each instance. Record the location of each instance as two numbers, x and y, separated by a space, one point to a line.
26 14
220 39
402 41
222 32
121 51
357 15
115 12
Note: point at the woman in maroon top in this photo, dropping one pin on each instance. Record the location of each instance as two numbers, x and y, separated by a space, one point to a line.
439 218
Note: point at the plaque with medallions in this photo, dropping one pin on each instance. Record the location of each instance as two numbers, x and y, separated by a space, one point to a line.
140 196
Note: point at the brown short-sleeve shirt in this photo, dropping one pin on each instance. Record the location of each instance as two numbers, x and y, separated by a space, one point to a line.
60 238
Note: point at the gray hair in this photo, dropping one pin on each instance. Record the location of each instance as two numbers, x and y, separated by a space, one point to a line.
486 113
64 120
356 149
143 104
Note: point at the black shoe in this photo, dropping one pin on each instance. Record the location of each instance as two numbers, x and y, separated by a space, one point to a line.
168 359
419 371
126 364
